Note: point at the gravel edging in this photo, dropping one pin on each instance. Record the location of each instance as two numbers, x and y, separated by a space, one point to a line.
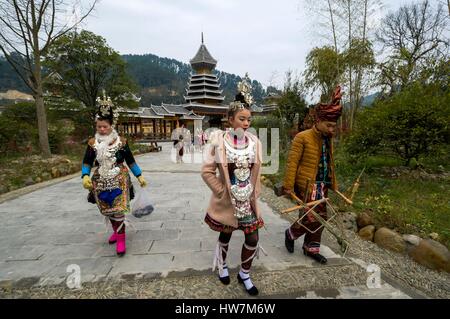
400 268
291 282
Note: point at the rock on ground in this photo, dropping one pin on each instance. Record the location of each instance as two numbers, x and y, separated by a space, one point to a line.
389 239
367 233
364 220
432 254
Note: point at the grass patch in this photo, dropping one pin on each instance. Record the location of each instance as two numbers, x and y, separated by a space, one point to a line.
398 197
410 206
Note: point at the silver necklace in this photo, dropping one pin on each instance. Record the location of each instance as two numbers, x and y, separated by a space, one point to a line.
241 194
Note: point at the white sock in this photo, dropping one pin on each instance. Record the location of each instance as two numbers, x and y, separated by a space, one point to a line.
244 275
224 272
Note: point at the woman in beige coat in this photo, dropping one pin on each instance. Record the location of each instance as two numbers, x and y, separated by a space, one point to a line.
236 154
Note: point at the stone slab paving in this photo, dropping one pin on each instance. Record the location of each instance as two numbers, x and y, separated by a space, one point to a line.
45 231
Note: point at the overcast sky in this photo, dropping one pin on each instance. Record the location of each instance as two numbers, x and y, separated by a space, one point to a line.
256 36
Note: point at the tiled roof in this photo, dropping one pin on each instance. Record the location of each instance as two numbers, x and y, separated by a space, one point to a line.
203 56
159 110
175 108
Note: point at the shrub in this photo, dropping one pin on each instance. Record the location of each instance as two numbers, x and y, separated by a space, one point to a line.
410 124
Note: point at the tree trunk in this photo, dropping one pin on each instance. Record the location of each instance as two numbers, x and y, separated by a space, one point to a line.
350 64
358 101
334 38
39 100
42 124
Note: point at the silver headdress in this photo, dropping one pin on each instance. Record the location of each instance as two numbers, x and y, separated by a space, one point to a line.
245 89
106 109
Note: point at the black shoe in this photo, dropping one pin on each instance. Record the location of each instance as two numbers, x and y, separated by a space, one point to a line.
252 291
289 243
225 280
317 257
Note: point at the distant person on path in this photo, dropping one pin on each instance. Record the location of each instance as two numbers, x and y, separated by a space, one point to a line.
203 140
187 140
181 137
199 140
179 147
236 154
110 186
310 173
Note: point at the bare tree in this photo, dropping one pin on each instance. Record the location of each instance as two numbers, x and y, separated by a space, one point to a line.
356 18
274 75
350 24
27 30
333 25
362 59
413 37
326 12
447 3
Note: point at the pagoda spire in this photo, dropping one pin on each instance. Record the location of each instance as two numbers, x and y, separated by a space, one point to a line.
203 59
204 87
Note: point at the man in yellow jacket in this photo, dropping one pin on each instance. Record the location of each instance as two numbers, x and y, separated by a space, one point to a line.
310 173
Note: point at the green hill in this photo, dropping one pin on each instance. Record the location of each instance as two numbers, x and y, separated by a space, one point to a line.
9 79
165 79
159 79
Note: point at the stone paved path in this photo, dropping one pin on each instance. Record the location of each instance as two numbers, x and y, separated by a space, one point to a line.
45 231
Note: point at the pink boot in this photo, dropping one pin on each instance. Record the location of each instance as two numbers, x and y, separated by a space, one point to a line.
113 237
120 246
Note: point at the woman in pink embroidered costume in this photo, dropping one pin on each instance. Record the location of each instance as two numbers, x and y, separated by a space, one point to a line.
110 186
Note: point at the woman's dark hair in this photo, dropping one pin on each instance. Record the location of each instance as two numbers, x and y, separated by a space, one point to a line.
232 110
107 119
241 98
104 114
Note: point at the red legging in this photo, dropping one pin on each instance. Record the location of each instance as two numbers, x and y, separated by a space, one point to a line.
116 224
250 240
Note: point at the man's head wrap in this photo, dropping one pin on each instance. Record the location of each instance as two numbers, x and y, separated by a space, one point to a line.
330 112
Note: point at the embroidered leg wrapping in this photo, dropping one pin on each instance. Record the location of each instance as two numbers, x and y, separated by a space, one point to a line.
220 254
